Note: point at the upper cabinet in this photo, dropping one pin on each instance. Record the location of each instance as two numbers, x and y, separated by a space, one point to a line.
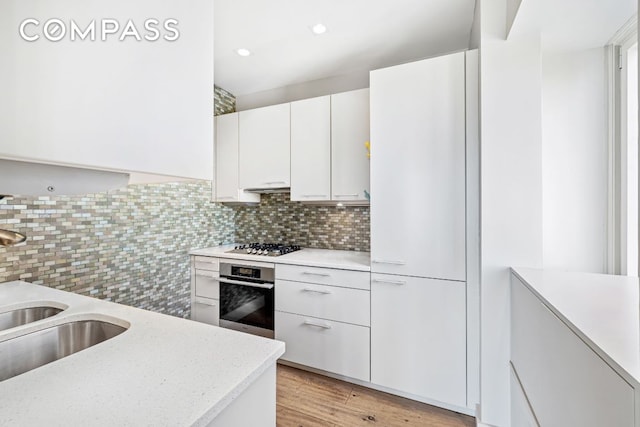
118 103
349 133
226 187
311 149
265 147
418 169
328 154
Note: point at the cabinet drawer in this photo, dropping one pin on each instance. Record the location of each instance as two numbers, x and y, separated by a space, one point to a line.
207 284
206 311
324 276
206 263
327 302
322 344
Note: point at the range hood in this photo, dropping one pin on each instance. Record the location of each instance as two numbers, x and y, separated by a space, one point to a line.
36 179
269 190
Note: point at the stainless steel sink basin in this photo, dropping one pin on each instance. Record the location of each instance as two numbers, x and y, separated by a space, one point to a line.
22 316
30 351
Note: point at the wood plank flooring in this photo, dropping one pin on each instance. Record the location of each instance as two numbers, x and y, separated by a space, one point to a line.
305 399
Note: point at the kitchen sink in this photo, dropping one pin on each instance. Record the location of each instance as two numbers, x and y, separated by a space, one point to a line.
26 352
22 316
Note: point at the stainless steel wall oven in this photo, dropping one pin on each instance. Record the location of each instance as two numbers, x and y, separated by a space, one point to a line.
247 296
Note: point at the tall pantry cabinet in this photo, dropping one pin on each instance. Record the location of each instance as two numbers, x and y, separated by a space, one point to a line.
418 232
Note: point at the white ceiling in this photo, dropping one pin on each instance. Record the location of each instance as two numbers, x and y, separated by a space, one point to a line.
362 35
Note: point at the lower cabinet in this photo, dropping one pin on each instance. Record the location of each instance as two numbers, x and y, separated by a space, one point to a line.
206 310
565 382
418 337
337 347
323 316
205 290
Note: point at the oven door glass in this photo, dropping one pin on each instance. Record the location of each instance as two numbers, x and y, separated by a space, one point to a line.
246 305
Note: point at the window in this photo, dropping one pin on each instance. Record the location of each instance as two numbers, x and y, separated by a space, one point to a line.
624 155
629 156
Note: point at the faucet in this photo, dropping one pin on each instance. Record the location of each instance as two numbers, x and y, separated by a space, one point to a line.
10 238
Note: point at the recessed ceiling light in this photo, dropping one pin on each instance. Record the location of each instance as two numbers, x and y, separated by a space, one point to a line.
243 52
319 29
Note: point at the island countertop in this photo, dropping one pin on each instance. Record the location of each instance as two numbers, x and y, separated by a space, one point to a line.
310 257
162 371
603 310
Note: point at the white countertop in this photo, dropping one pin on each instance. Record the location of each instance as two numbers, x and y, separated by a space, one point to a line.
327 258
603 310
162 371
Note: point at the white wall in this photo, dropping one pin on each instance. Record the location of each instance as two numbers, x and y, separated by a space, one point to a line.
511 189
574 158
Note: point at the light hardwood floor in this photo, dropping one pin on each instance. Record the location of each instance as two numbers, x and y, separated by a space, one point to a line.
305 399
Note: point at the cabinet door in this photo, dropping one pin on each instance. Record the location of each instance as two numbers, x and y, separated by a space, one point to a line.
144 107
418 337
226 184
418 169
311 149
265 144
565 381
349 132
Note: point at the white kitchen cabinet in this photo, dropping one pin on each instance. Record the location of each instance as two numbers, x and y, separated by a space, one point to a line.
349 132
323 344
205 289
206 310
418 337
564 380
206 263
324 276
325 302
208 284
323 315
418 169
311 149
265 147
133 106
227 187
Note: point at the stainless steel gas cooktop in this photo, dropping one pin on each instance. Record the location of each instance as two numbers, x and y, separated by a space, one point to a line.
264 249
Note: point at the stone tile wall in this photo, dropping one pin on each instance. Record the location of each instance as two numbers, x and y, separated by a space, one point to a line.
128 246
131 245
277 219
224 102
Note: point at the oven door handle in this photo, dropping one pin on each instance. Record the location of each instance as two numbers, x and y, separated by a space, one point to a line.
250 284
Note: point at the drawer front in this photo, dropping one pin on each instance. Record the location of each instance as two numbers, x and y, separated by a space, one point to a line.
207 284
327 302
206 263
335 347
325 276
206 311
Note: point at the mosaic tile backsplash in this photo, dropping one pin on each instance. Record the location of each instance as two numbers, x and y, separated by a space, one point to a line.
224 101
131 245
277 219
128 246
